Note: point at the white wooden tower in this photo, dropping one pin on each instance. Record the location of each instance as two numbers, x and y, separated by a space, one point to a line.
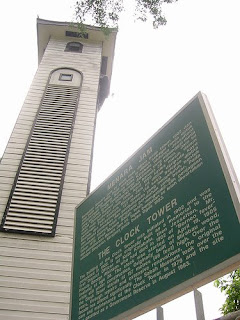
46 168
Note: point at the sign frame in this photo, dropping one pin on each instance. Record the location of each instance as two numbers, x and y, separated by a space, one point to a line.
234 191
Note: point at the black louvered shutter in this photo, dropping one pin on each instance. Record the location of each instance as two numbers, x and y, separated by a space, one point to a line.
35 197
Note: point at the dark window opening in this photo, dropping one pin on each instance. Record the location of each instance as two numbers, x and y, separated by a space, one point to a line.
74 47
77 34
104 65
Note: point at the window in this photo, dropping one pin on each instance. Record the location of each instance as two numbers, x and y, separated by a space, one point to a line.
77 34
65 77
74 47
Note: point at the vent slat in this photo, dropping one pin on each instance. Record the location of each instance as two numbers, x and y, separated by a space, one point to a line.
43 165
47 146
29 204
35 172
59 102
36 196
44 161
39 176
20 220
38 139
30 211
30 216
45 152
28 227
16 206
40 150
58 108
50 134
52 126
25 184
43 156
38 184
41 168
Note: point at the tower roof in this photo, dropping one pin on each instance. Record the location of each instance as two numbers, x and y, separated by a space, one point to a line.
48 28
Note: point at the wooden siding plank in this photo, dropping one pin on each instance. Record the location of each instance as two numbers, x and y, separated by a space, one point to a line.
37 244
39 306
36 274
34 295
35 263
11 315
41 285
40 254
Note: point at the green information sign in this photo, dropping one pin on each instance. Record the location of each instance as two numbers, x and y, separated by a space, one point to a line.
165 220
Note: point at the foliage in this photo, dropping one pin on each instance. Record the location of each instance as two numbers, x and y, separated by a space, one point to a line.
231 287
106 13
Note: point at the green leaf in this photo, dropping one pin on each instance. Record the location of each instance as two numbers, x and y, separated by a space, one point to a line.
231 287
106 13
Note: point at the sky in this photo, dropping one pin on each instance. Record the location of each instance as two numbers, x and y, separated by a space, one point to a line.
155 73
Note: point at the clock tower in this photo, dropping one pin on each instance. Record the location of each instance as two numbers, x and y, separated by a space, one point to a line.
46 168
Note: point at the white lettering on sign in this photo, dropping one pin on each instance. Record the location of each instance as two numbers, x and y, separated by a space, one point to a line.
104 252
127 236
145 154
160 212
119 177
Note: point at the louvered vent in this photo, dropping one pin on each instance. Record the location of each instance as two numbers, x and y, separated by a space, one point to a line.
34 201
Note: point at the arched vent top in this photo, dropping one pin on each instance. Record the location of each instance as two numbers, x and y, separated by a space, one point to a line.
66 76
74 47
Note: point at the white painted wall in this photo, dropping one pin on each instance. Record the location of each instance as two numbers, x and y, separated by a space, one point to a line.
35 271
